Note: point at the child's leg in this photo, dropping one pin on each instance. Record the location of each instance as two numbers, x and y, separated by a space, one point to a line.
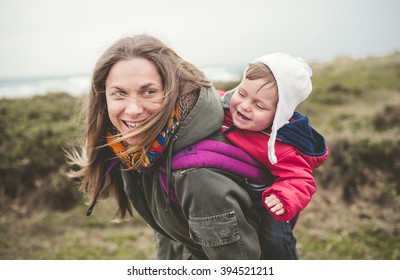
277 239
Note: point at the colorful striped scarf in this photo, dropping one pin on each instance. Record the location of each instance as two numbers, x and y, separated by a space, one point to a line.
135 161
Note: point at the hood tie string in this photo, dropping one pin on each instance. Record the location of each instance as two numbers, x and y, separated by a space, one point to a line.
168 168
111 165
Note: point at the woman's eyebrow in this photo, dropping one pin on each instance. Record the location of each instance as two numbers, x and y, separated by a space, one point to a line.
148 84
117 88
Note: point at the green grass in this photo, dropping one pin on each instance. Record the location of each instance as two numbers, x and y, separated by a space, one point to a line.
366 243
71 235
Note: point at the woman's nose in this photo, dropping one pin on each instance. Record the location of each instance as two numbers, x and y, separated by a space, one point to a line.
133 108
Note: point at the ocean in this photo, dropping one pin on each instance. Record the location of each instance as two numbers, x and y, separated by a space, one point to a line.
27 87
79 84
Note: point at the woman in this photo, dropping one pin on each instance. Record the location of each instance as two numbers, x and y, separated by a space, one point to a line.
145 104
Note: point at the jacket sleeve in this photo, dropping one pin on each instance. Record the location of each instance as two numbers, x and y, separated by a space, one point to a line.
294 184
220 214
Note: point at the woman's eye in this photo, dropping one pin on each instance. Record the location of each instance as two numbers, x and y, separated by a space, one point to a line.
149 92
119 93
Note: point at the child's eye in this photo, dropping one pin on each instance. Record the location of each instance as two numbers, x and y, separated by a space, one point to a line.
241 93
259 106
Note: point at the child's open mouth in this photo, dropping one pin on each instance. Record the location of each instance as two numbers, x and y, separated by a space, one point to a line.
241 116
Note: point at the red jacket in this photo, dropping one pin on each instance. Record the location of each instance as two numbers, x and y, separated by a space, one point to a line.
293 182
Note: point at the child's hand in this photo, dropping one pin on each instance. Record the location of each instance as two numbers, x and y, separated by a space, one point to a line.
274 204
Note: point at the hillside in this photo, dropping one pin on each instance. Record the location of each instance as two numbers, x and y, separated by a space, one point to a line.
355 104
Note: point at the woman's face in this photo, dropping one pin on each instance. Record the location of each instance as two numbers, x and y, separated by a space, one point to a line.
134 92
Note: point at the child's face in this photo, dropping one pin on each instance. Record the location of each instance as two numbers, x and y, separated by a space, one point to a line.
134 93
253 108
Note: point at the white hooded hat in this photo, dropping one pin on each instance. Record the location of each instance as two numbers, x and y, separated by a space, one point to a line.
293 78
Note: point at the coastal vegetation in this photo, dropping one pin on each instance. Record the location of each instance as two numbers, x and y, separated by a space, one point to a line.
355 104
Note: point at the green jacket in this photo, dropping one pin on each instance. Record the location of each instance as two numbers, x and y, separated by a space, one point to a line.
216 219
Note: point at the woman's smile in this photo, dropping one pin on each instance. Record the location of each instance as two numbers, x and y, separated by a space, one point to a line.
134 93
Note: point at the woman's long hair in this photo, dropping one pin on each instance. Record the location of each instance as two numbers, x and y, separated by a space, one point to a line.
178 78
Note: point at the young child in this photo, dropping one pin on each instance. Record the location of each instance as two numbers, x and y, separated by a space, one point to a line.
260 118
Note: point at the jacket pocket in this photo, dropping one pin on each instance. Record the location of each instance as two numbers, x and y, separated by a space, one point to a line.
212 231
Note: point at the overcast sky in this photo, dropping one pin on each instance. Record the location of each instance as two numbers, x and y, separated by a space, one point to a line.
50 37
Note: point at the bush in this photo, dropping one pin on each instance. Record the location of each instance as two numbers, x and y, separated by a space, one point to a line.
356 165
388 118
33 134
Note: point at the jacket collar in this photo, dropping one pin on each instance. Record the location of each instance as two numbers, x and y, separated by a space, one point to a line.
205 118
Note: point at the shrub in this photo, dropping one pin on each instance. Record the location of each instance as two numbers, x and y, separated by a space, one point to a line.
388 118
356 165
33 134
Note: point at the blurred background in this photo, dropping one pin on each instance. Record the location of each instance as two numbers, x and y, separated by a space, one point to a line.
49 48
